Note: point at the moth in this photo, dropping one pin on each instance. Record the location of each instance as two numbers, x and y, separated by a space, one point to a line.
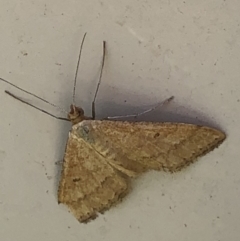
102 156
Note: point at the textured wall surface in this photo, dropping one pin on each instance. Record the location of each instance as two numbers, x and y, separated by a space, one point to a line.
155 49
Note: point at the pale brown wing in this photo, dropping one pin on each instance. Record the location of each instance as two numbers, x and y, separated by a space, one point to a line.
134 147
88 183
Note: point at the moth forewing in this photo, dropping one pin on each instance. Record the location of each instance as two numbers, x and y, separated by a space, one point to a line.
102 156
88 183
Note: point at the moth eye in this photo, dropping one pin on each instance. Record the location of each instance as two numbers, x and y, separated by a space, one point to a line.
81 112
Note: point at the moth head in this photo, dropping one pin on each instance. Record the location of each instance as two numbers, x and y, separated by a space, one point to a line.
76 114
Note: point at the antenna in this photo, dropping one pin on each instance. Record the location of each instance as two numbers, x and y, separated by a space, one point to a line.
58 107
99 80
78 63
25 102
74 88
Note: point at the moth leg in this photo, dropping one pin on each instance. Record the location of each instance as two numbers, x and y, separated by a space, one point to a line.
144 112
93 110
